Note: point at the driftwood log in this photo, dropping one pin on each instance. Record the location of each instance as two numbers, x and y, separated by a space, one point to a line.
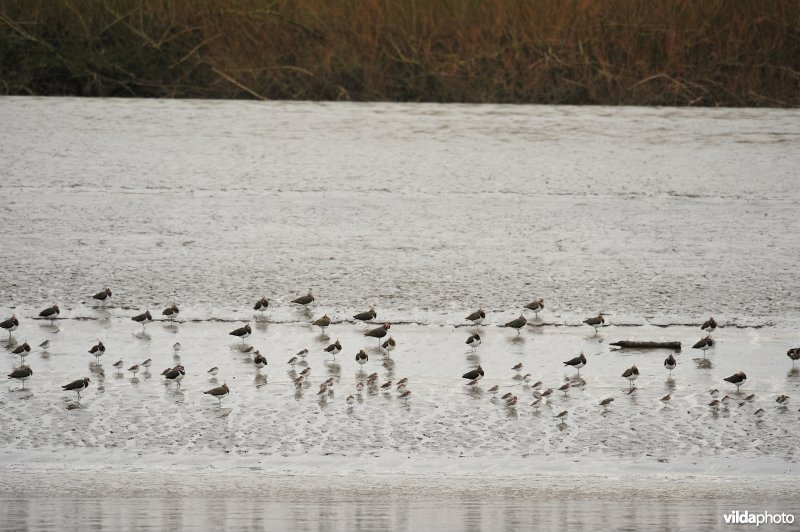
622 344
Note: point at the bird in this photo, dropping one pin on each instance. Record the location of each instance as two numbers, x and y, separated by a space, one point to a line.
98 350
389 344
175 374
366 315
147 363
362 357
709 325
511 401
750 398
477 317
118 365
304 300
386 385
261 305
476 374
564 388
134 369
379 332
527 378
705 344
474 341
78 385
50 313
759 413
44 345
595 322
517 324
782 399
670 363
10 324
714 392
176 347
606 402
351 399
360 387
794 355
322 322
406 394
578 362
303 353
666 399
213 371
494 389
562 415
334 349
517 367
536 306
632 373
259 360
21 373
102 295
143 318
219 392
22 350
714 404
293 361
547 393
241 332
171 311
305 372
737 379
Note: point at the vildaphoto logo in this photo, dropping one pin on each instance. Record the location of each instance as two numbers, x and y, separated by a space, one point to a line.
762 518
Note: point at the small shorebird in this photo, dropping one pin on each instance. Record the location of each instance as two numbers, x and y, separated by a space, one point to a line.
517 367
794 355
670 363
143 318
605 402
97 350
171 312
77 386
547 393
389 345
517 324
564 388
474 341
259 360
134 369
595 322
44 345
536 385
305 372
175 374
303 353
50 313
293 361
477 317
493 390
147 363
632 373
21 373
578 362
261 305
562 415
10 324
361 357
714 392
22 350
406 394
118 365
386 386
476 374
705 344
242 332
709 325
102 295
351 399
759 413
359 387
750 398
176 347
782 399
666 399
536 306
304 300
527 378
219 392
378 333
322 322
714 404
213 371
366 315
737 379
334 349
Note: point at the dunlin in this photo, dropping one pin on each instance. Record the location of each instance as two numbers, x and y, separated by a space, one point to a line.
134 369
213 371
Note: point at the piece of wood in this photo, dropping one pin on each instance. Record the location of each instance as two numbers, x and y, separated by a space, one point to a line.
634 344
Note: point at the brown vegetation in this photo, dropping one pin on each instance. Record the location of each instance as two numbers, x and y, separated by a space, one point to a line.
638 52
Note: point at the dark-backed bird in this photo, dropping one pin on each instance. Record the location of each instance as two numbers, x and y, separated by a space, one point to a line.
144 318
304 300
782 399
77 386
606 402
171 312
213 371
389 344
366 315
259 360
21 373
670 363
709 325
118 365
261 305
578 362
97 350
102 295
536 306
666 399
322 322
219 392
517 367
562 415
379 332
565 388
793 354
22 350
474 341
147 363
475 374
176 374
44 345
517 324
10 324
405 395
477 317
632 373
334 349
241 332
595 322
50 313
705 344
759 413
736 379
134 369
494 389
362 357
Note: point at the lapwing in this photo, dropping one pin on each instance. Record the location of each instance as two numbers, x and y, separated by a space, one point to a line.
77 386
304 300
379 332
536 306
334 349
709 325
102 295
21 373
736 379
670 363
794 355
366 315
171 312
705 344
389 345
477 317
322 322
144 318
219 392
362 357
632 373
97 350
50 313
595 322
578 362
242 332
517 324
10 324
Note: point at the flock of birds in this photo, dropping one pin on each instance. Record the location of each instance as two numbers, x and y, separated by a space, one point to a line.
300 379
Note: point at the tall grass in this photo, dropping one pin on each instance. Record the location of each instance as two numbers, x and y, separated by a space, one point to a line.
640 52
